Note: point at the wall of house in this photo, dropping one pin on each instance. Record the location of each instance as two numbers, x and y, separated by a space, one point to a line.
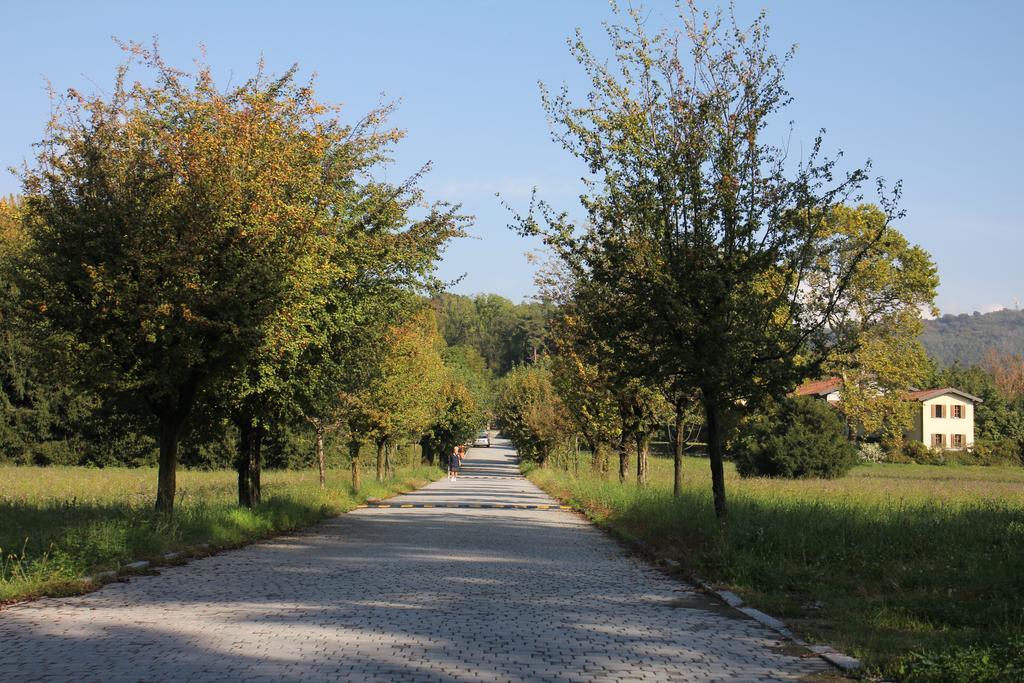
927 426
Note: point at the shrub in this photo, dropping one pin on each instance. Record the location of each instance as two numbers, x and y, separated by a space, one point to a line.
985 452
797 438
998 452
917 452
872 452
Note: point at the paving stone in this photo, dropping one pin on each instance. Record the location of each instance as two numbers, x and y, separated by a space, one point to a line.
406 594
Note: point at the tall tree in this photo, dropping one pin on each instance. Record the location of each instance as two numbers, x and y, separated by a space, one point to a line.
710 235
531 413
405 394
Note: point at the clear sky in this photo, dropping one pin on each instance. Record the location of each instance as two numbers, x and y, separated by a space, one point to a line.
931 91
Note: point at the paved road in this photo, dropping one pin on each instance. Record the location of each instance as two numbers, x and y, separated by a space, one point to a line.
405 594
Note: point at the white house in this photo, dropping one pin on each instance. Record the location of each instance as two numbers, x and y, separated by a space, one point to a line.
945 418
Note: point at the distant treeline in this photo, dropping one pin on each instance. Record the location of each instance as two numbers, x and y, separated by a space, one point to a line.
966 339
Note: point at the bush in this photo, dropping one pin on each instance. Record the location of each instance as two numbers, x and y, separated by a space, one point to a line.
985 452
872 452
797 438
917 452
998 452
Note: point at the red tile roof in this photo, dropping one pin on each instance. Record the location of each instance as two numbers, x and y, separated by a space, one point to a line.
821 387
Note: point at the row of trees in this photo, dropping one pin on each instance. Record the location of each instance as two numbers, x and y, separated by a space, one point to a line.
711 271
190 259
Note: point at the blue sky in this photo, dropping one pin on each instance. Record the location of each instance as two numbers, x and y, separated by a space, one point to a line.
930 91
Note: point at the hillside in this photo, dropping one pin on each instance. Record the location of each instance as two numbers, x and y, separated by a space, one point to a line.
967 337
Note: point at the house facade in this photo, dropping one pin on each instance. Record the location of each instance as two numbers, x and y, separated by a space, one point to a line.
945 419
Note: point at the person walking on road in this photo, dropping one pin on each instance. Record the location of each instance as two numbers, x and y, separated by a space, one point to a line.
453 464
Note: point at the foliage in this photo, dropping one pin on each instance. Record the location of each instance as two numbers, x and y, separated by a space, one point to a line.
44 417
169 223
1007 370
967 338
228 246
893 282
530 412
986 453
456 421
797 438
404 395
887 561
470 368
589 401
717 253
503 333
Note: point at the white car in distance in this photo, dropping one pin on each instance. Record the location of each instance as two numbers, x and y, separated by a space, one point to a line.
482 441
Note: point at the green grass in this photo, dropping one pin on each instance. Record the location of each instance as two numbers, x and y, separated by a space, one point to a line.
60 524
917 570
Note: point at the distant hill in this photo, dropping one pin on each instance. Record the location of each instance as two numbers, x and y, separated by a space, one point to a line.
967 337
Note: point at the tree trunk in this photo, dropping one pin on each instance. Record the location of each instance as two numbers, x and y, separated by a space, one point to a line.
353 452
716 447
427 455
679 444
643 448
389 464
172 416
599 462
248 462
320 455
166 486
380 459
623 459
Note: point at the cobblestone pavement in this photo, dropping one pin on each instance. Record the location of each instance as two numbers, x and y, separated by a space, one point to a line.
407 594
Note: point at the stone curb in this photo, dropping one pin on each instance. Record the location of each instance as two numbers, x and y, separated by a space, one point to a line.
139 565
841 661
831 655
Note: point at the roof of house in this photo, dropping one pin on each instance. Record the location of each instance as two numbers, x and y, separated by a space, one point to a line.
925 394
821 387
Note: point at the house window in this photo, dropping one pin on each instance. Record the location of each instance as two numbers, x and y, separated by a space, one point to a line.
937 410
938 440
958 412
958 441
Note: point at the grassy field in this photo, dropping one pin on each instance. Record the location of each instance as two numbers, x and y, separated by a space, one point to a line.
60 524
917 570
